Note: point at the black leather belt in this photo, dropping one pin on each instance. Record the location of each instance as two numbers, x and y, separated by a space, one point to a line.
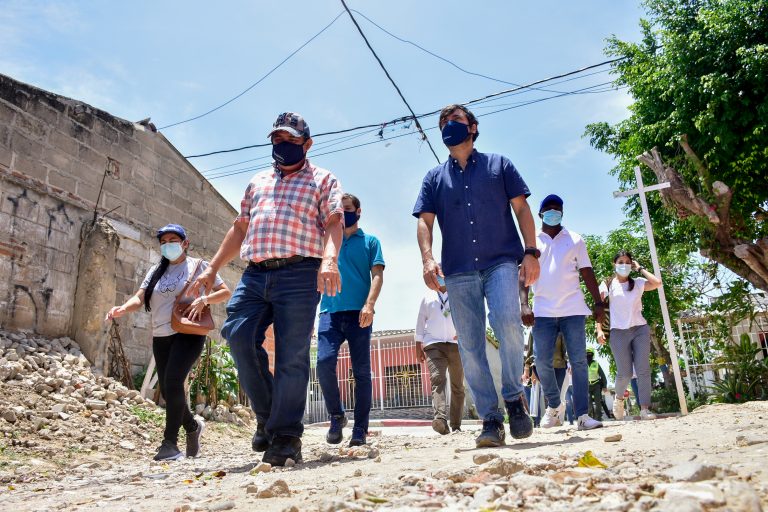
274 263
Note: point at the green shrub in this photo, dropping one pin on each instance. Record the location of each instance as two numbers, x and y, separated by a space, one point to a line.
746 378
215 377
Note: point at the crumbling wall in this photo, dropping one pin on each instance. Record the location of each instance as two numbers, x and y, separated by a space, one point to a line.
61 161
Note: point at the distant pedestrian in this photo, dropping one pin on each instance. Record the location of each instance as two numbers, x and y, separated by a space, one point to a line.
349 316
630 336
436 341
472 196
174 352
598 384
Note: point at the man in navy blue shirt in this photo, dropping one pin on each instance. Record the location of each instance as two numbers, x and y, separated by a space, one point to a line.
470 195
348 315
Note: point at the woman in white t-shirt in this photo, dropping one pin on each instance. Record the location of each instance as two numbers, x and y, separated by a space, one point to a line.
174 352
630 336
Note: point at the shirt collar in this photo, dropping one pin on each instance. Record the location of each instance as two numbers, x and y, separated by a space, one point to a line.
359 232
544 237
472 158
276 171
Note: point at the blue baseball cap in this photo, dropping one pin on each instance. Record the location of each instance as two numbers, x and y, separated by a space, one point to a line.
550 199
172 228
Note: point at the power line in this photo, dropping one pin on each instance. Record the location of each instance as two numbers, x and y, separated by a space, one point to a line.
257 82
584 90
415 118
447 61
484 99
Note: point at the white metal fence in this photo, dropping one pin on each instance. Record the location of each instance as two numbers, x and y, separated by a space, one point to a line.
399 380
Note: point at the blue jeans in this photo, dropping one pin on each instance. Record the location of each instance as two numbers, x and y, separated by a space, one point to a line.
545 330
332 330
468 293
287 298
569 405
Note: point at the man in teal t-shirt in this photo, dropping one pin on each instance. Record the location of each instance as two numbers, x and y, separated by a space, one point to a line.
348 316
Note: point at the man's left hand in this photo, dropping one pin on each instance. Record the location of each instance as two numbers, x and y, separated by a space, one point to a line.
529 270
328 277
366 315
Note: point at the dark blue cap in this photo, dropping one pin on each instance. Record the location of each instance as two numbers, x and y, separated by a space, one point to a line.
172 228
551 198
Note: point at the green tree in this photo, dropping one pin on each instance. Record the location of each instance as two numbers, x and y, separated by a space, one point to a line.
699 80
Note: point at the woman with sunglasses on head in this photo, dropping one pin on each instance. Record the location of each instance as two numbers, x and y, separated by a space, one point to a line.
174 352
630 336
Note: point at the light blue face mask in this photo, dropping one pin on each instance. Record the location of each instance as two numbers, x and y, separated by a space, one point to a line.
623 269
552 217
171 250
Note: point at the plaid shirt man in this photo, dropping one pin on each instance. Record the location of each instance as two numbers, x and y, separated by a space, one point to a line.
287 216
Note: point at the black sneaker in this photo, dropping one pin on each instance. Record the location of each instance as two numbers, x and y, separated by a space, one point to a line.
168 451
520 425
260 441
440 426
491 436
193 439
456 429
358 437
283 448
335 434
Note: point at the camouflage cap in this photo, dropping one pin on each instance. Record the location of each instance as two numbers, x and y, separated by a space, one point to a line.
292 123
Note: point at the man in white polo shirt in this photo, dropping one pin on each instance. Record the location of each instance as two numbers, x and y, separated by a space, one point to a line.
559 306
437 342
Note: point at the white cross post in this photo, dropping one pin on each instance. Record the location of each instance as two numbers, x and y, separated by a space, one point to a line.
641 190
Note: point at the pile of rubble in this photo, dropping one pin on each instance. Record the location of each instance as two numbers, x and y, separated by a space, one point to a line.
50 393
559 484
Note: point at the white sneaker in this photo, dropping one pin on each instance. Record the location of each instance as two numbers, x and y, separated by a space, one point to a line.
645 414
552 417
618 408
586 423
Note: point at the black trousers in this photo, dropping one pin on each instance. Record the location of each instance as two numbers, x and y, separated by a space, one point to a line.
174 357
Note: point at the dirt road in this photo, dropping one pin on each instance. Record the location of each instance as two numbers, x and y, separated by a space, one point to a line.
713 459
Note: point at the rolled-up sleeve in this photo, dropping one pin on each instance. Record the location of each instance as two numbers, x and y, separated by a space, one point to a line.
245 205
425 203
514 185
330 200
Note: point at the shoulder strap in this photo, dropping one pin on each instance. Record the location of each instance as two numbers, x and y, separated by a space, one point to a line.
189 280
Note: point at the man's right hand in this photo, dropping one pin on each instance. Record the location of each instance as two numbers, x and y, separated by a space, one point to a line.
204 283
420 356
431 271
526 315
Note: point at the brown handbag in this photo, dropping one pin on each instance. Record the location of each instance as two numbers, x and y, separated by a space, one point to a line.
183 324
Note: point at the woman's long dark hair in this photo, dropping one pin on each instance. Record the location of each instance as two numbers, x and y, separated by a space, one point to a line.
156 275
628 254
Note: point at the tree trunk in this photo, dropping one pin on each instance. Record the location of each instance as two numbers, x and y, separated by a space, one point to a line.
746 258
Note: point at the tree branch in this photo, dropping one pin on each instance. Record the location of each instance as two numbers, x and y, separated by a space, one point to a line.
695 160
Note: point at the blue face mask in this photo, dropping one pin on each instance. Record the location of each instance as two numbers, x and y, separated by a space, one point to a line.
171 250
623 269
552 217
454 133
287 153
350 219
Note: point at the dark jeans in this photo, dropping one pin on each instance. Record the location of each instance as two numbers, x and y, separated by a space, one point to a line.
286 298
332 330
174 357
596 401
569 415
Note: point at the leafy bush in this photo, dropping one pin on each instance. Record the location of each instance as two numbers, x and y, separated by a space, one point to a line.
215 377
746 378
665 400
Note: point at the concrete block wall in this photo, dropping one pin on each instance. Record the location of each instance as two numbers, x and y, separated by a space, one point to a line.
55 153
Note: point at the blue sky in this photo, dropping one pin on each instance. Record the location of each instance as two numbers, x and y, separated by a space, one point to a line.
173 60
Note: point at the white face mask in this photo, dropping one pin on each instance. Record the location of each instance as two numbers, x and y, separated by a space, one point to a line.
171 250
623 269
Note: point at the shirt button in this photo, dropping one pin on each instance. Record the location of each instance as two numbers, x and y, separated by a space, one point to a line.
466 186
474 241
469 204
475 259
471 222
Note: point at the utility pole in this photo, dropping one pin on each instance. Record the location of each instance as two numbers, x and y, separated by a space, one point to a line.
641 191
